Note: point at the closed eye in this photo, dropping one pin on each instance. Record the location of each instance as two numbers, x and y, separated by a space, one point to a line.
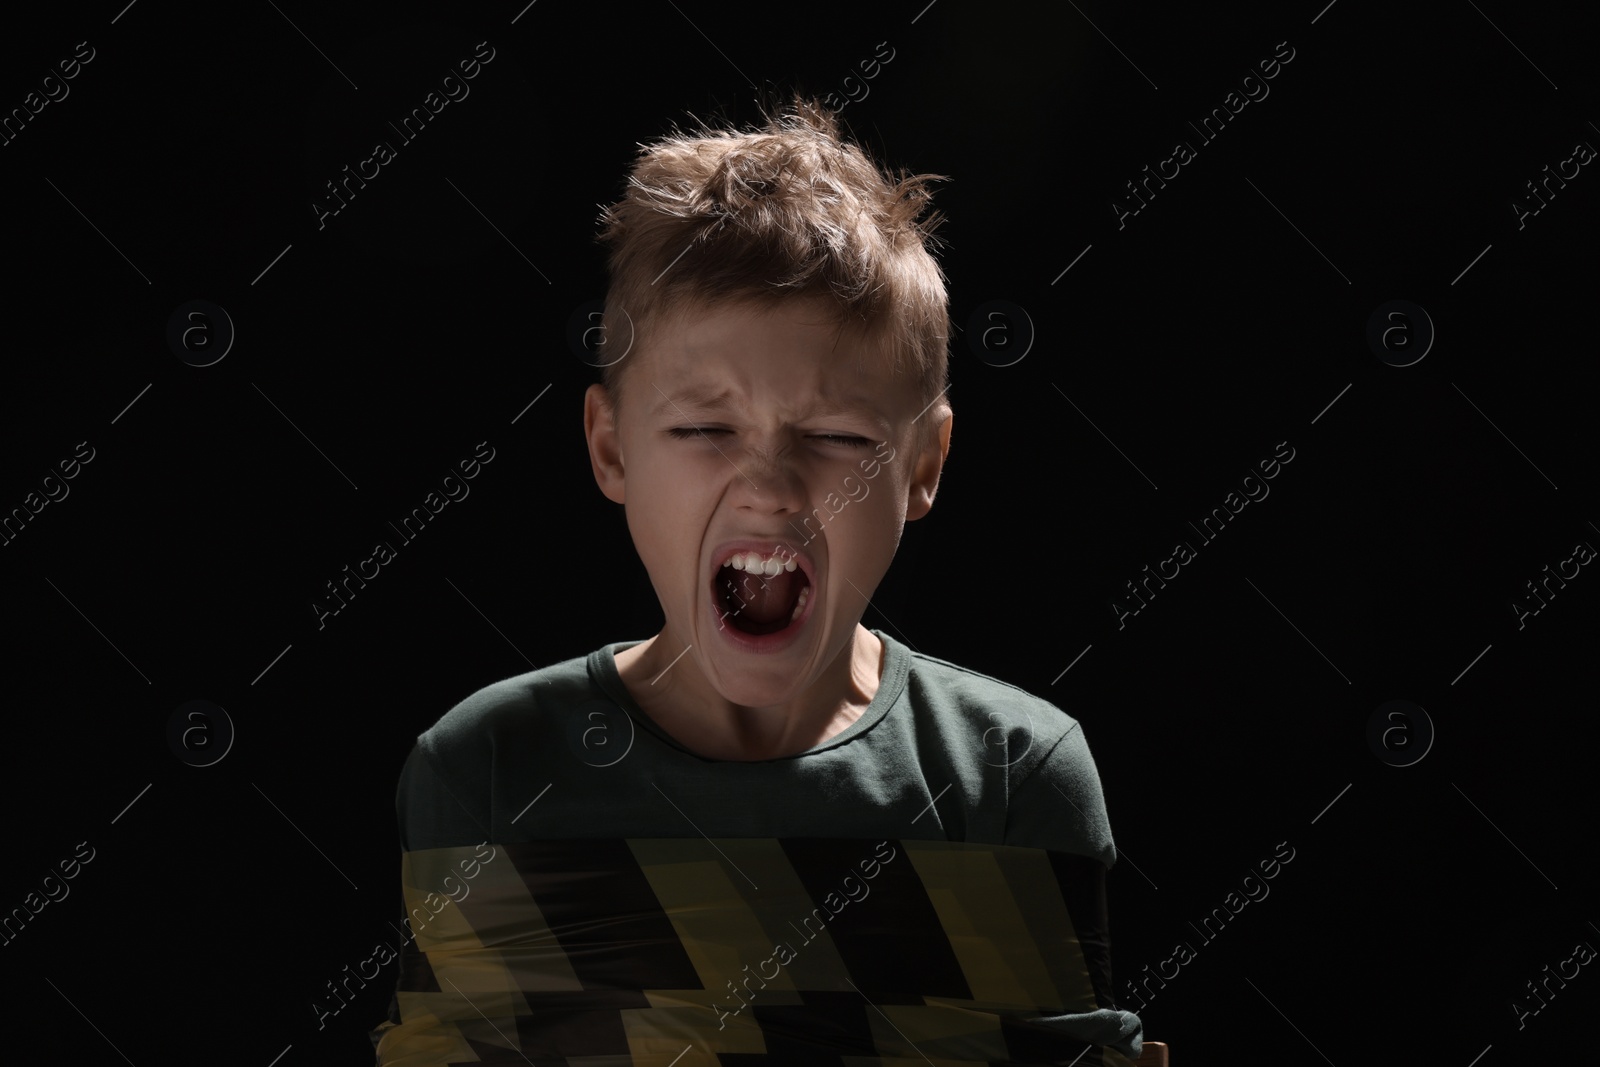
689 433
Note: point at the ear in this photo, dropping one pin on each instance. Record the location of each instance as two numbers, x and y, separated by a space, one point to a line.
928 464
605 446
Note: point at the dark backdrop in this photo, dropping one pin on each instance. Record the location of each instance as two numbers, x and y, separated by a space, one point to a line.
1136 368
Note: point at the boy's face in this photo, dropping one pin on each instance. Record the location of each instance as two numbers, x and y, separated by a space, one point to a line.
812 453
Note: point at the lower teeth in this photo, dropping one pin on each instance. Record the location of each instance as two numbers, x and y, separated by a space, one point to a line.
800 605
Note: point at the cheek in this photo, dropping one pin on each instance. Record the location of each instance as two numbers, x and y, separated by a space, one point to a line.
869 525
886 492
668 484
655 525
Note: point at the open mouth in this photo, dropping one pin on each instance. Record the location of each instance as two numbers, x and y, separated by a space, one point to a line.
759 604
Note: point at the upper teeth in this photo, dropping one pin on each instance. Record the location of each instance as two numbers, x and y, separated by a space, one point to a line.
755 563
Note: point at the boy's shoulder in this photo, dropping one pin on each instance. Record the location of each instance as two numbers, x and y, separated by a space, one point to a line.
986 729
510 707
973 690
1006 716
970 711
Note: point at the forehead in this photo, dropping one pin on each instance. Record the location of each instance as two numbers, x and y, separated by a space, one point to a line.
794 353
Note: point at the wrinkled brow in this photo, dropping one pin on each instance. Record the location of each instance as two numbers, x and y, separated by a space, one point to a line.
707 400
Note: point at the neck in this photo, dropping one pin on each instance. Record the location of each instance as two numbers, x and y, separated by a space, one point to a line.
671 688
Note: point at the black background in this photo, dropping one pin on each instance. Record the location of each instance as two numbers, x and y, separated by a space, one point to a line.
1227 316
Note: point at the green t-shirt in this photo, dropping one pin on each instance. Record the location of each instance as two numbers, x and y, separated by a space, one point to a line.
941 753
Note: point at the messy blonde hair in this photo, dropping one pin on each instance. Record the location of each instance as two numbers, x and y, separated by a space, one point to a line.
791 209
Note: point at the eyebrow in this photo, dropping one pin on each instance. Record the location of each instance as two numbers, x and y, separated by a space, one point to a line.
695 399
706 400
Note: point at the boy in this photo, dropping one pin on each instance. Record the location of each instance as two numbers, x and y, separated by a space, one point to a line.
767 832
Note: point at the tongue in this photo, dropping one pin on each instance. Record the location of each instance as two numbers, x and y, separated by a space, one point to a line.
766 600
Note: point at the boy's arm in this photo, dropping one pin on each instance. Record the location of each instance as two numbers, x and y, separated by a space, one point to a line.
404 791
1060 806
428 811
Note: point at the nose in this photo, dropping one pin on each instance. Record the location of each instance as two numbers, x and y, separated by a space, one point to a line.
768 483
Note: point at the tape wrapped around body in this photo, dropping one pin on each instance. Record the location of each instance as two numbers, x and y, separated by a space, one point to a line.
753 950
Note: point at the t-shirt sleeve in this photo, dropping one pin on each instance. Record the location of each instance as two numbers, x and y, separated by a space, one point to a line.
1060 805
441 801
